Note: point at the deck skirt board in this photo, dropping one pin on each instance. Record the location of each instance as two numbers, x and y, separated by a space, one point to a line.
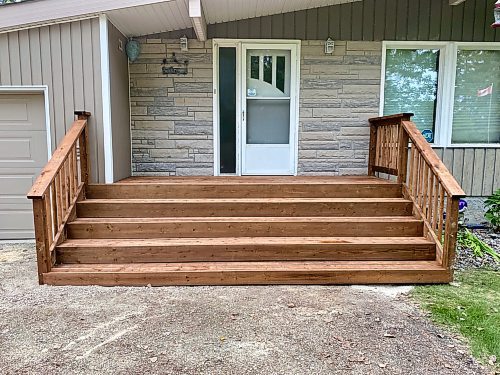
249 273
245 231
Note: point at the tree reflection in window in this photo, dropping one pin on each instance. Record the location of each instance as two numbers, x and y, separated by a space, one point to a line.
280 73
268 69
411 84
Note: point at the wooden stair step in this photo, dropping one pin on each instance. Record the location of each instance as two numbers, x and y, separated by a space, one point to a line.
244 249
244 207
244 226
291 189
248 273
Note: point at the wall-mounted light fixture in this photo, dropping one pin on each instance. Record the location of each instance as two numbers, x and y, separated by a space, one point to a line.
329 46
496 13
184 44
133 49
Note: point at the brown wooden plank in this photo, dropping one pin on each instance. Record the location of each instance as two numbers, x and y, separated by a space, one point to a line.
245 249
235 190
243 226
233 273
244 207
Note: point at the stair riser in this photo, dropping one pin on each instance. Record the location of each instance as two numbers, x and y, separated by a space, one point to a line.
215 253
176 191
132 209
244 229
250 278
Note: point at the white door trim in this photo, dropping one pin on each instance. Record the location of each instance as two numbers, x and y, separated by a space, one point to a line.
36 89
259 43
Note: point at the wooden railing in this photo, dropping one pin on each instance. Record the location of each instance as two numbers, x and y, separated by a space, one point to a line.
398 149
55 192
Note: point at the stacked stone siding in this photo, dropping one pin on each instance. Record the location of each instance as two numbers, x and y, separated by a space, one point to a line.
172 114
172 130
338 93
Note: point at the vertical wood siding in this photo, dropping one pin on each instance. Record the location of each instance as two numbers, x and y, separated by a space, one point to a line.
369 20
66 58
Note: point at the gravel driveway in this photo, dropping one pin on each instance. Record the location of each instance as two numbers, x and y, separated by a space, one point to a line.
214 330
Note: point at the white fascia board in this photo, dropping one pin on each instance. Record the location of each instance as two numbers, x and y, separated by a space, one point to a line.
198 19
36 13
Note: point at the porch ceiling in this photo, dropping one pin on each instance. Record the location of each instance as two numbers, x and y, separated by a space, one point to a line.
174 14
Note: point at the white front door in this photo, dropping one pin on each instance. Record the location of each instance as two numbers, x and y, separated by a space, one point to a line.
269 109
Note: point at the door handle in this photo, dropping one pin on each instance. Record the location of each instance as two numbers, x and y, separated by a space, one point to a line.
243 114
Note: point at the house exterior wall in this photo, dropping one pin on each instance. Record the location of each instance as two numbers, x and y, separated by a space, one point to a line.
172 131
66 58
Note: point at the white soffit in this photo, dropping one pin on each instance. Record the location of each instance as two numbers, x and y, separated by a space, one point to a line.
217 11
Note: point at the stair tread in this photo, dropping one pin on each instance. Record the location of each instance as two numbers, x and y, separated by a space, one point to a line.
257 180
248 219
224 241
285 266
244 200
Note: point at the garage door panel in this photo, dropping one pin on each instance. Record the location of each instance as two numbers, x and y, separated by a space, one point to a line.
22 112
23 154
23 149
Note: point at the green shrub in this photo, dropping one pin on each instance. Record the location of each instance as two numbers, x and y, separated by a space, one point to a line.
493 210
469 240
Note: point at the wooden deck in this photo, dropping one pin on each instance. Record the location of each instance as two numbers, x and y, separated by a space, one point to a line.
250 230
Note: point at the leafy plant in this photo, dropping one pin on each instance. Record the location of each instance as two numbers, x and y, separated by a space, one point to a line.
493 210
469 240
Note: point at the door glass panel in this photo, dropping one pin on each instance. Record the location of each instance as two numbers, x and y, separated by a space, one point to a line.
227 109
268 69
268 121
280 73
254 67
268 101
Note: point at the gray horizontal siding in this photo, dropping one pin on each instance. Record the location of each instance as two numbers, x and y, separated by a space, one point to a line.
66 58
369 20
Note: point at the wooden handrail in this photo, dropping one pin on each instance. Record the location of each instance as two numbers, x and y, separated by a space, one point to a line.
397 148
449 183
57 189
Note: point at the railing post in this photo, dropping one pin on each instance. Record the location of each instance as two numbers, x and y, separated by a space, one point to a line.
450 230
403 141
84 148
43 257
372 149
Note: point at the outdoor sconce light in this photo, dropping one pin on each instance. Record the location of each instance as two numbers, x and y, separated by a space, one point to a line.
330 46
133 49
496 13
184 44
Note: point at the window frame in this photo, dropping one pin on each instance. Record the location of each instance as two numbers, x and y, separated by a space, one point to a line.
446 85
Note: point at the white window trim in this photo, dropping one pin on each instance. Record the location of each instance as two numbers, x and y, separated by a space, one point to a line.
446 85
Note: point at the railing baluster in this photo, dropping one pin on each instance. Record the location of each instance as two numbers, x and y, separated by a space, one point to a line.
427 182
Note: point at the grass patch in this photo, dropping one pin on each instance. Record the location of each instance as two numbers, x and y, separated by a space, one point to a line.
471 307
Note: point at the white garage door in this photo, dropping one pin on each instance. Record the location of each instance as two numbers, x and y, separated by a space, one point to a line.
23 153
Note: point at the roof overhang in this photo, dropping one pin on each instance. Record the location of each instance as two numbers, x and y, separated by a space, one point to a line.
144 17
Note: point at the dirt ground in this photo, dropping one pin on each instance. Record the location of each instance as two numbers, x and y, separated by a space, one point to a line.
214 330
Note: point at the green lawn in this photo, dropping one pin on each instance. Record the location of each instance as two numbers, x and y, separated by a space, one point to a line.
470 306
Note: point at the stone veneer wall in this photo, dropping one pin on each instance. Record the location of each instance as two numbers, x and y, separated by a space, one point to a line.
172 115
338 94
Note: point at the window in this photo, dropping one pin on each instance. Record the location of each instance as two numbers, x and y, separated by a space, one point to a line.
452 88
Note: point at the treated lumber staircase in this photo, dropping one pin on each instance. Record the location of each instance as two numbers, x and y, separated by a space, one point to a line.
245 230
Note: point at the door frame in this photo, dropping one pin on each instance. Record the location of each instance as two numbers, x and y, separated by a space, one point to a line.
35 89
260 43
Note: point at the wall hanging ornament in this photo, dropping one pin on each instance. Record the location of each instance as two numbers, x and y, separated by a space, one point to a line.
496 13
133 49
